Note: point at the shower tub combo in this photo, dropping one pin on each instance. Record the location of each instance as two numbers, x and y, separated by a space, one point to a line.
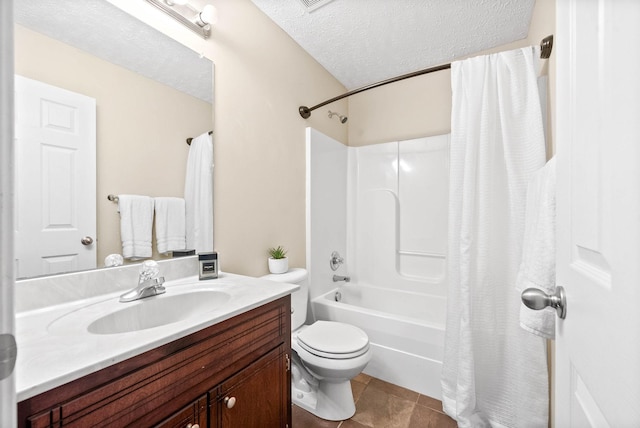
384 207
404 328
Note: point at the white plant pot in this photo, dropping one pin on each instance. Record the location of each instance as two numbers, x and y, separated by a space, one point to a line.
278 265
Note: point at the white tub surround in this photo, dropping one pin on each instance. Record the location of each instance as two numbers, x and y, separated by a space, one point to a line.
49 356
383 207
397 217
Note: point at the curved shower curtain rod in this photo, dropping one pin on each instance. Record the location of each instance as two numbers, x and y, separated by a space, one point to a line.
546 45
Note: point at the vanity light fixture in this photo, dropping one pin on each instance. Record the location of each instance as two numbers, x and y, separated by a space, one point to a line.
197 21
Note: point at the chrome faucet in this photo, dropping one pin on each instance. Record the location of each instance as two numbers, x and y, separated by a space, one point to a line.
337 278
146 288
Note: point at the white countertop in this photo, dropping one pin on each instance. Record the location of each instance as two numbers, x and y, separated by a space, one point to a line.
48 358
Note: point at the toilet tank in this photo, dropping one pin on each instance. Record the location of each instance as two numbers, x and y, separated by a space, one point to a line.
298 298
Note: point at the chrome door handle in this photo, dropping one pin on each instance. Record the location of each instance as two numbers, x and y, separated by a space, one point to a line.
537 299
8 355
87 240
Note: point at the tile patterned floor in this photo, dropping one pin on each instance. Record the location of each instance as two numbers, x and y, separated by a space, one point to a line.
380 404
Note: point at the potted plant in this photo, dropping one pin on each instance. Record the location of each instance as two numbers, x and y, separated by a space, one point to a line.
278 261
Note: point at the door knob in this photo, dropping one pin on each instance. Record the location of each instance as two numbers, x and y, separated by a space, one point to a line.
229 402
87 240
537 299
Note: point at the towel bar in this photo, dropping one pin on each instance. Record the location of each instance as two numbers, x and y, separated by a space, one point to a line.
190 139
113 198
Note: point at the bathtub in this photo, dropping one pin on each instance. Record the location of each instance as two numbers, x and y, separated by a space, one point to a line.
407 337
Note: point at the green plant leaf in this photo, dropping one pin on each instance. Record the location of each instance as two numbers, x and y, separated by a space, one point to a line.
277 253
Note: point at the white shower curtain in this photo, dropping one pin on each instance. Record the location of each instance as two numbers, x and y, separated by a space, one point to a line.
494 373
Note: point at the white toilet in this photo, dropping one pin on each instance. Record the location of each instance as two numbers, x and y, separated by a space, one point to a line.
327 355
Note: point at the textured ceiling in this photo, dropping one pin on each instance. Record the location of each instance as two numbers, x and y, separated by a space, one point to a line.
364 41
99 28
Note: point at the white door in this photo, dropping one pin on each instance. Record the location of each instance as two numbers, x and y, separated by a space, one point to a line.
55 137
598 147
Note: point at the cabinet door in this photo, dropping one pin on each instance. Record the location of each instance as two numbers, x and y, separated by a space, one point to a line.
192 416
257 396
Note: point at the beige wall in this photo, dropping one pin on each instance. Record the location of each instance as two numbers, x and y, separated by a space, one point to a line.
262 76
141 125
543 23
421 106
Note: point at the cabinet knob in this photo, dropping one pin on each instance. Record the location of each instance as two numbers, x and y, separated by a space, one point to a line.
193 426
229 402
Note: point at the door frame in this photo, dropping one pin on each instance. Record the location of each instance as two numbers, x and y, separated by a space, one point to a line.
7 275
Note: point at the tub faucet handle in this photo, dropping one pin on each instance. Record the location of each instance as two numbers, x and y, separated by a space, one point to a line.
335 261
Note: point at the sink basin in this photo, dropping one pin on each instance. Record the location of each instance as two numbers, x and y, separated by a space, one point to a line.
150 312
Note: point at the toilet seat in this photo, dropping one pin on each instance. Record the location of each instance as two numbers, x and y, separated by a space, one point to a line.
335 340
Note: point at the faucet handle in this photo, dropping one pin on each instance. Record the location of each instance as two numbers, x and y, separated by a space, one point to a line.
159 280
335 261
148 270
158 285
155 282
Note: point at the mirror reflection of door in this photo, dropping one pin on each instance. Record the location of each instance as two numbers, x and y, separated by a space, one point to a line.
55 151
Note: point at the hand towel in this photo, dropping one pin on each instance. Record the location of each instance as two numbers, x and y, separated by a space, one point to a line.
170 224
198 194
136 221
538 266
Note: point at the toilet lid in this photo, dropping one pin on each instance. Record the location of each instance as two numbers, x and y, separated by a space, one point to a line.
332 339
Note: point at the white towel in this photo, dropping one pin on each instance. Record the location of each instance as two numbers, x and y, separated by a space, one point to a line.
538 266
198 194
136 220
170 224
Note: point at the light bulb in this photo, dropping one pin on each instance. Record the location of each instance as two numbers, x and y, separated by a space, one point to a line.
209 15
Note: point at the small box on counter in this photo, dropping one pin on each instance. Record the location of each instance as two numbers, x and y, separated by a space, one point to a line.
208 265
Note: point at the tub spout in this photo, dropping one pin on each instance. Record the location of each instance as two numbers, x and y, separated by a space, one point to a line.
337 278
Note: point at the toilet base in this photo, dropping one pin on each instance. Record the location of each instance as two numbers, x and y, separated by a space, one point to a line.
332 401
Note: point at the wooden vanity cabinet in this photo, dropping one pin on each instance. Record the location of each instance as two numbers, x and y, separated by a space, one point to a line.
233 374
195 415
255 397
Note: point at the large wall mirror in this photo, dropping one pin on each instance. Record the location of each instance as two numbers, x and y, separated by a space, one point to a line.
150 92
